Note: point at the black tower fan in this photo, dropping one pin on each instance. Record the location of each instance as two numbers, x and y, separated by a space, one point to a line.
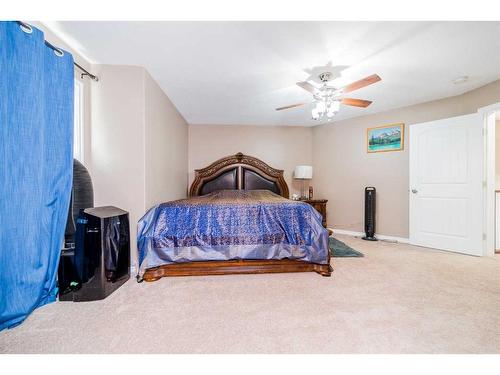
370 195
82 196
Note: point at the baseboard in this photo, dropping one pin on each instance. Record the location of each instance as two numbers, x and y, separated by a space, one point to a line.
378 236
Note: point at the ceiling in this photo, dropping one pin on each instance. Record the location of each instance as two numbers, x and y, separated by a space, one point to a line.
239 72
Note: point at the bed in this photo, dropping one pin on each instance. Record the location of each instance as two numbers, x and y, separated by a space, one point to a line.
237 220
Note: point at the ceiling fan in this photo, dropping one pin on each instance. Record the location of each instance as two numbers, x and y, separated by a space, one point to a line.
328 98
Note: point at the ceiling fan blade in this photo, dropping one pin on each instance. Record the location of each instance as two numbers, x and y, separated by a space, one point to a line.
290 106
307 86
356 102
362 83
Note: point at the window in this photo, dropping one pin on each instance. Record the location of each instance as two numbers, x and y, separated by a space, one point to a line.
78 129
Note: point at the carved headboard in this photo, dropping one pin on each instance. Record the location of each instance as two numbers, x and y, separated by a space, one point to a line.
238 172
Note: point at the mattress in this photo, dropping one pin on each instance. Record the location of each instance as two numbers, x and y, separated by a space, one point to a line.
230 225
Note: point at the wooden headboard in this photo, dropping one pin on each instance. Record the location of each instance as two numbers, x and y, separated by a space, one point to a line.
238 172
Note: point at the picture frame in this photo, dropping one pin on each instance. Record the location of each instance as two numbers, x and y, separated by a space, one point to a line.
385 138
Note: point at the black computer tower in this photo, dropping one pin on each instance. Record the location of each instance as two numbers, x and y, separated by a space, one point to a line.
100 262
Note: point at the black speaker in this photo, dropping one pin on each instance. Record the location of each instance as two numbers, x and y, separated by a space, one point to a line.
370 199
100 263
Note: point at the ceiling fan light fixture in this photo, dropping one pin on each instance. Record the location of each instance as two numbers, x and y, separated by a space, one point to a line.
315 114
335 106
327 108
320 107
330 114
327 98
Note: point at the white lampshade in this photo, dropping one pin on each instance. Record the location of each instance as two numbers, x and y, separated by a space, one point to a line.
303 172
335 106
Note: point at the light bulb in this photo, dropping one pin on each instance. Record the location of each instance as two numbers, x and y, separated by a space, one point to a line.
315 114
320 107
335 106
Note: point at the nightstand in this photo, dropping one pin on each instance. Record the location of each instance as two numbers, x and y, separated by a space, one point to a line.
319 205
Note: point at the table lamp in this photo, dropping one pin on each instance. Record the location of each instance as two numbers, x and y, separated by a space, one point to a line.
303 172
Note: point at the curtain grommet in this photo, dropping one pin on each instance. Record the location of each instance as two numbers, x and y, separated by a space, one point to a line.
25 27
58 52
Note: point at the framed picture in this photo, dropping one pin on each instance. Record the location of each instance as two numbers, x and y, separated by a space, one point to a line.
385 138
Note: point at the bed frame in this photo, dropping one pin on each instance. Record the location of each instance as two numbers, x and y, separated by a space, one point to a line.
237 172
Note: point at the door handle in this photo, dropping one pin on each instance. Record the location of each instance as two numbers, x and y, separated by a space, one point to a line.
414 191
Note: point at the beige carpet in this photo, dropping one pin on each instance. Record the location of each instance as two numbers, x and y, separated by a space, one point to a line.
397 299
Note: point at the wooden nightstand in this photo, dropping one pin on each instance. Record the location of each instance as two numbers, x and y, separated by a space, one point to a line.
319 205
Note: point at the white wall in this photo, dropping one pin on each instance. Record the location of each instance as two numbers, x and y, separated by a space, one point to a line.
138 145
117 143
166 147
337 151
136 142
343 167
282 147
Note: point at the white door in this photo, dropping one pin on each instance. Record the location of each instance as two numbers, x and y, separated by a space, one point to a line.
446 188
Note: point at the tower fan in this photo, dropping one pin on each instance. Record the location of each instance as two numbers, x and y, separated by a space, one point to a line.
370 194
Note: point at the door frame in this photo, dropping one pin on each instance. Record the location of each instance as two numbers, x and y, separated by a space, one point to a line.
488 114
488 124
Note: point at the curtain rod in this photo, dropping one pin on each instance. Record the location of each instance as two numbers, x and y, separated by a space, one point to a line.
86 73
28 28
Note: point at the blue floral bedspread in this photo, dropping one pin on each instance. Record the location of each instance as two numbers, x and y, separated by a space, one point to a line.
231 224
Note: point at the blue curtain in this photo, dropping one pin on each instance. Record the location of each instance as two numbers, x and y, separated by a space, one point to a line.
36 153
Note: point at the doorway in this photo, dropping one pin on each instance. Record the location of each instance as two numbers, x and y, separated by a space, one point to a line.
436 233
491 116
497 182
